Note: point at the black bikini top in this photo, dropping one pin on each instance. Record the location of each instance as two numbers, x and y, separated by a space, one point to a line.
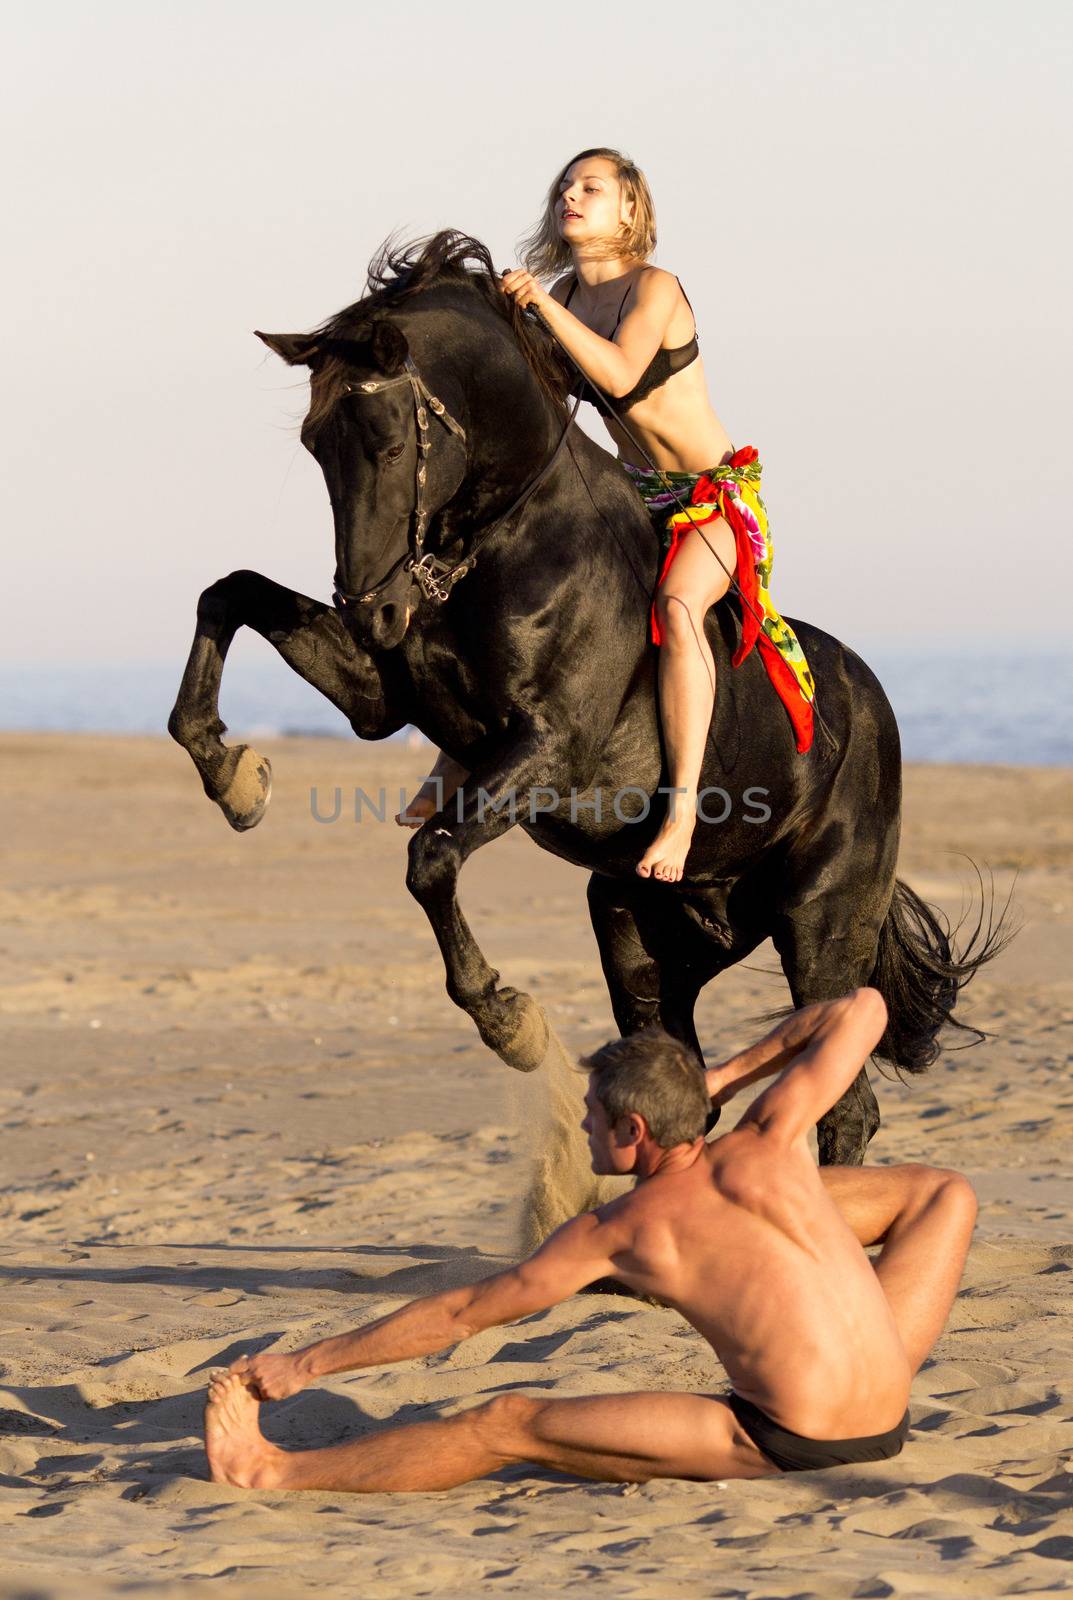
662 366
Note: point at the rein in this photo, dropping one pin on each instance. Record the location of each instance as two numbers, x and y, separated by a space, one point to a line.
434 576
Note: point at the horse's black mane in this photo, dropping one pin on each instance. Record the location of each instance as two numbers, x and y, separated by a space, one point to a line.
399 272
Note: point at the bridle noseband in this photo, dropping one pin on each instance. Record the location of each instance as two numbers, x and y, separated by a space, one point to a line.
435 577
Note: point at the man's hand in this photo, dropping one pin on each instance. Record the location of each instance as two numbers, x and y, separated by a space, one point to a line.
273 1377
525 289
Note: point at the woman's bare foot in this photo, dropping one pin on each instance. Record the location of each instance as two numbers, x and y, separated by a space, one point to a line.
665 857
419 809
440 786
238 1451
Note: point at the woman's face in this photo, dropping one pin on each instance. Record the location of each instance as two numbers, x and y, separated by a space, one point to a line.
591 206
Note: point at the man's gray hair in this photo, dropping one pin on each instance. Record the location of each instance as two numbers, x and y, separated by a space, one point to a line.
655 1076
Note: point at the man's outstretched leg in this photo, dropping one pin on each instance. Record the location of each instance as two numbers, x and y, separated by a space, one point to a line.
424 1455
626 1438
923 1217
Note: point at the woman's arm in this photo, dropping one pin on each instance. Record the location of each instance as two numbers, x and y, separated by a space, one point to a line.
614 365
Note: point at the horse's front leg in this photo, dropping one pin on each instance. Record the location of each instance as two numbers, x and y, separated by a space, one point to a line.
311 638
509 1022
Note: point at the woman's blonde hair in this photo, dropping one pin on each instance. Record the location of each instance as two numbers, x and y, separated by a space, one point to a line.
545 253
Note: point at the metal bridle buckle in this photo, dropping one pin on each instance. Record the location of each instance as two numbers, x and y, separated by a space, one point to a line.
431 587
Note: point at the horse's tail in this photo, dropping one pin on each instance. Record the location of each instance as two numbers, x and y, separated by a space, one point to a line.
920 971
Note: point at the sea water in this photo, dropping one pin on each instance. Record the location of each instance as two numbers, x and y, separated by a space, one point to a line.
1014 708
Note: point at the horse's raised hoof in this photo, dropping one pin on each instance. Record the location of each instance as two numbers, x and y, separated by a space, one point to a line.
245 796
518 1031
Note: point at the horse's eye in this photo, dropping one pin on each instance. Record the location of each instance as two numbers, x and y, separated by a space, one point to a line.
394 451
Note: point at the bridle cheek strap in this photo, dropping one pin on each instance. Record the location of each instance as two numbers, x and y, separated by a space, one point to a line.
421 566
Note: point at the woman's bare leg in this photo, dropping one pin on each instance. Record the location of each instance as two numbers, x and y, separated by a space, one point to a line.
627 1438
923 1217
432 795
687 685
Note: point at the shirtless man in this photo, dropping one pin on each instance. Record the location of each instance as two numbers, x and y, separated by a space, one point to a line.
758 1249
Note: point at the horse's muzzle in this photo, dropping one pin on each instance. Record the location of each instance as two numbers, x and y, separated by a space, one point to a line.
373 624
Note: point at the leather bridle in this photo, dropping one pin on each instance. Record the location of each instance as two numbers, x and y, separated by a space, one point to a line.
434 576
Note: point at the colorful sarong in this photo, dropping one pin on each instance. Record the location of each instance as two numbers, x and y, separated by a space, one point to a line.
733 493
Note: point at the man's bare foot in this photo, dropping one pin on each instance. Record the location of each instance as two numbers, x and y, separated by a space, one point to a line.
665 857
238 1451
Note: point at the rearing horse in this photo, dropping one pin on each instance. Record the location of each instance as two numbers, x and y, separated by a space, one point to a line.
493 573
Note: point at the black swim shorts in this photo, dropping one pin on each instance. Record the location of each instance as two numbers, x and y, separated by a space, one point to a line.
793 1452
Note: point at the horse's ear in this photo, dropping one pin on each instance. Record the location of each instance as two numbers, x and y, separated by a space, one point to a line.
297 349
388 347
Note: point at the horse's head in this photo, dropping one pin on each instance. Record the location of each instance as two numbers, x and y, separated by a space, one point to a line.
397 462
392 456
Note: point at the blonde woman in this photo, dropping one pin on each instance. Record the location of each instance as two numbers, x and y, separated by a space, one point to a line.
628 325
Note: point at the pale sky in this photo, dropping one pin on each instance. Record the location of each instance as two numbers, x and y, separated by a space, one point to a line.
869 207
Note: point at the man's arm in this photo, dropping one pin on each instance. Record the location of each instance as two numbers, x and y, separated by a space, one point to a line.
575 1255
818 1051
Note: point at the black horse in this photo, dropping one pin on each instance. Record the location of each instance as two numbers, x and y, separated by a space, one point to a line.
516 639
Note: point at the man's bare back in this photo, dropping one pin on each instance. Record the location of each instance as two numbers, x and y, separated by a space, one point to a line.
759 1250
747 1245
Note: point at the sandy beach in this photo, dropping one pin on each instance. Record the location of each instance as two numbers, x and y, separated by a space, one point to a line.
238 1106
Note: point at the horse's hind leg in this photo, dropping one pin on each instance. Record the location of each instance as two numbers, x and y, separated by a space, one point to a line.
632 972
311 638
653 961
